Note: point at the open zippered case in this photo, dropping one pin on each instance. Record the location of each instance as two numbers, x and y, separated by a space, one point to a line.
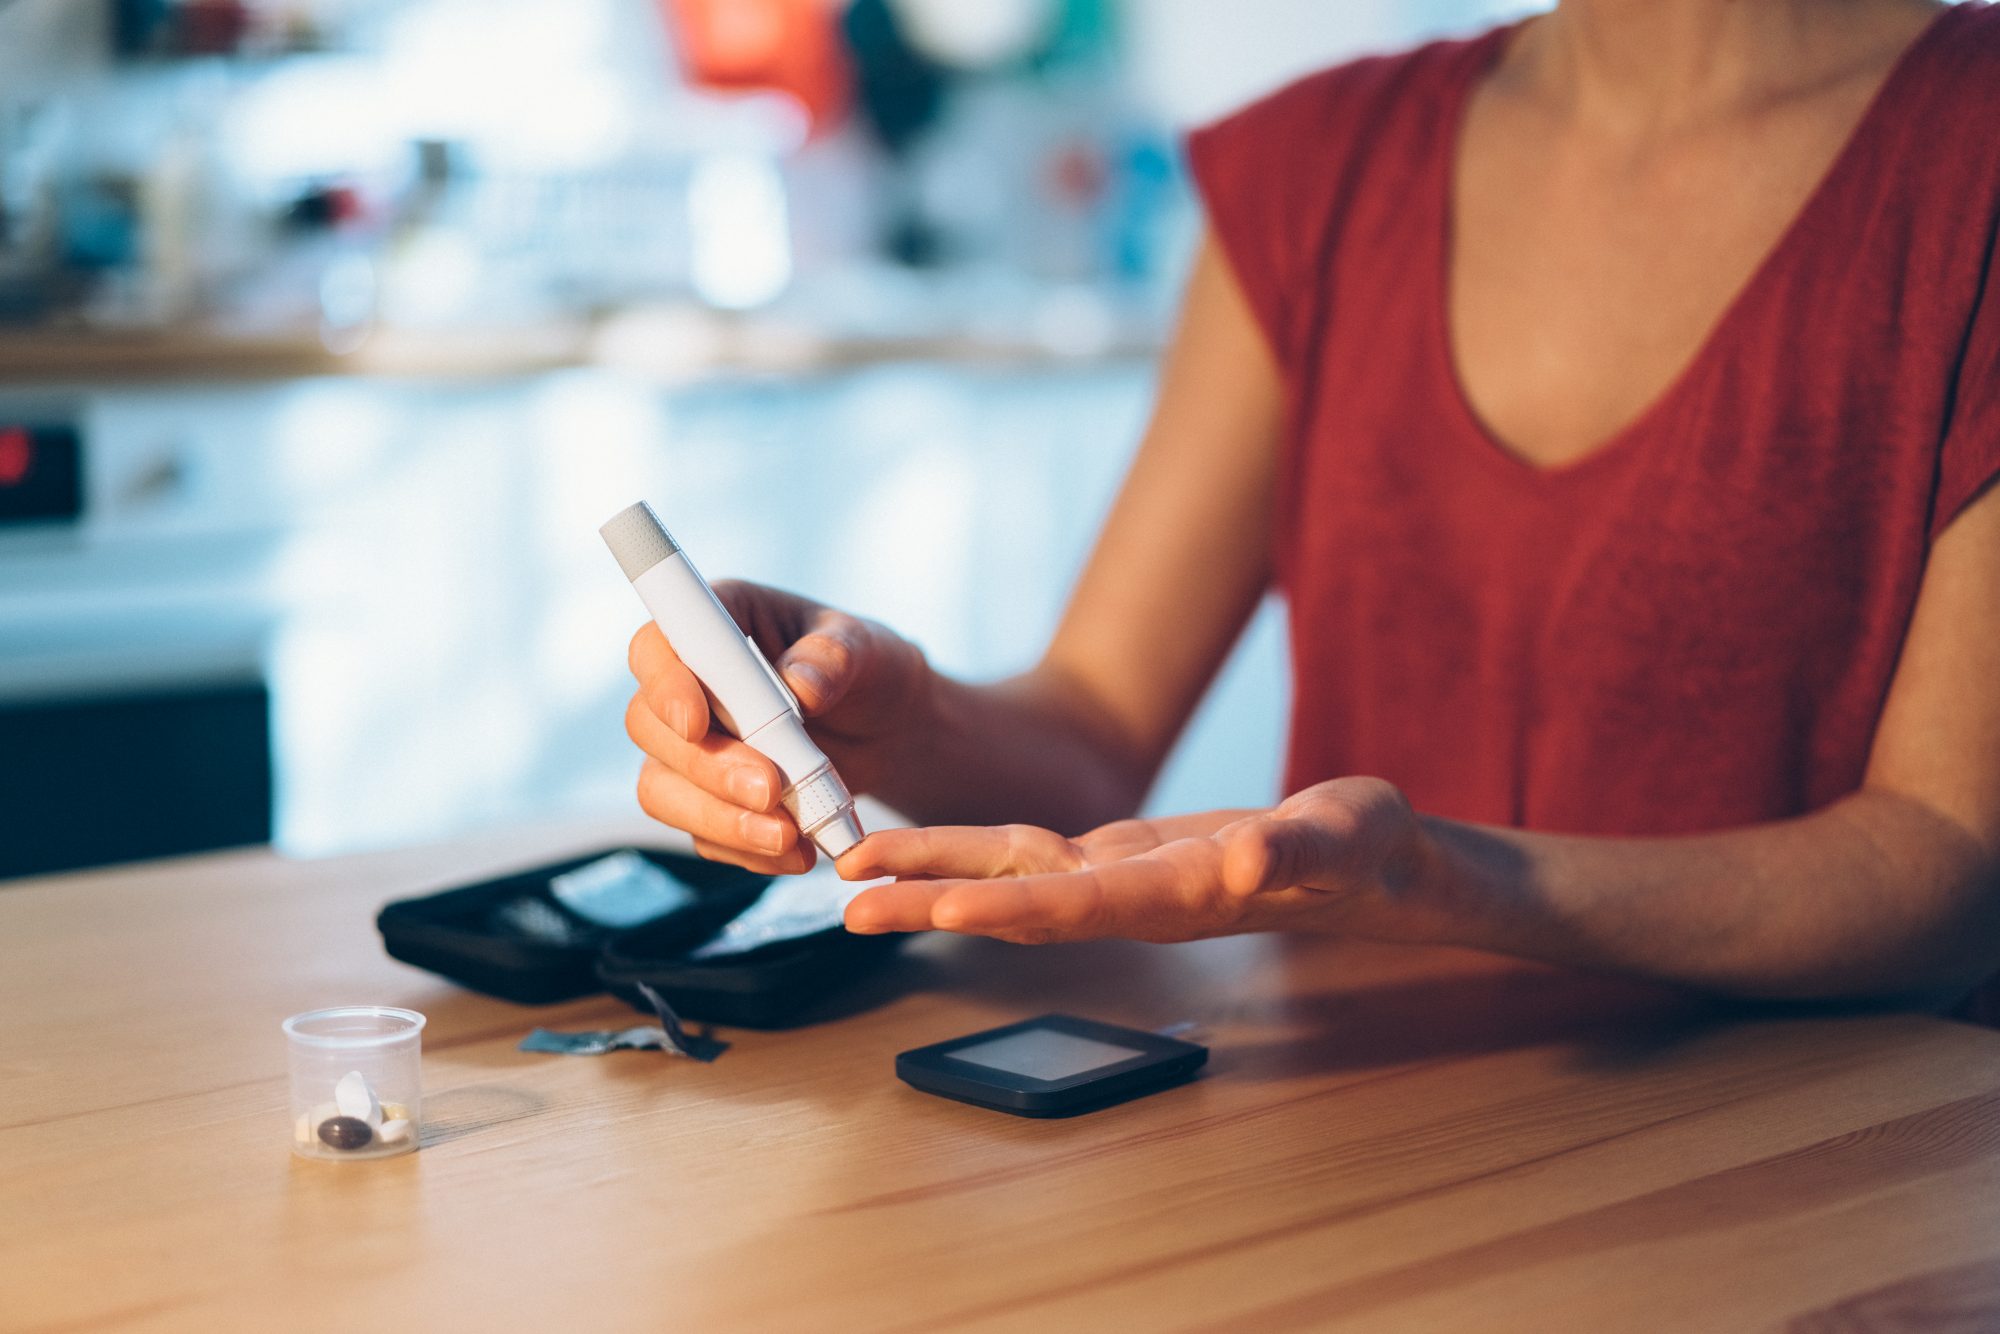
521 937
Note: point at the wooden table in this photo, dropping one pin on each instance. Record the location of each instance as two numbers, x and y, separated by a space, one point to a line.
1386 1140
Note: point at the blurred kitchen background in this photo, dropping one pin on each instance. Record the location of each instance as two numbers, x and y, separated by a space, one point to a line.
331 329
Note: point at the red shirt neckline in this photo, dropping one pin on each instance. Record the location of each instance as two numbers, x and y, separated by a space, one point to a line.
1692 633
1469 428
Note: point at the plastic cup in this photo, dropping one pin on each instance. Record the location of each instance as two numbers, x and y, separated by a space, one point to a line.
357 1081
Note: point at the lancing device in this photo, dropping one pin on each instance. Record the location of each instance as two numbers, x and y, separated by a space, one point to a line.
744 692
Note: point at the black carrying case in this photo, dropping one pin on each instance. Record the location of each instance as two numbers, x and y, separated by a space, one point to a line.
467 936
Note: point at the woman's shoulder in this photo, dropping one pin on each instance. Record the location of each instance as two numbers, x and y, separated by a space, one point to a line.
1281 176
1368 89
1964 55
1978 28
1943 125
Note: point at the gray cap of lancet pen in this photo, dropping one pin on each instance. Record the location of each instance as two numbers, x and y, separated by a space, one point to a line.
638 540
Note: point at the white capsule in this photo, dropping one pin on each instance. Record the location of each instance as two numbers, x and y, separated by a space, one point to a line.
354 1098
302 1129
393 1132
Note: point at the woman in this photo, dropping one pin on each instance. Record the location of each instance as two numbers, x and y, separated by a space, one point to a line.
1614 399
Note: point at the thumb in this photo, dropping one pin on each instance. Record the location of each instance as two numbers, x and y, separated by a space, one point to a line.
1267 853
1317 838
824 665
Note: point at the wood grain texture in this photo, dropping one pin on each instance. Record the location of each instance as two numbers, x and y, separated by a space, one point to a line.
1964 1299
1385 1140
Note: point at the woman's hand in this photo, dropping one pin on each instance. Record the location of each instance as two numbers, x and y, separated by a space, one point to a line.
1347 855
859 684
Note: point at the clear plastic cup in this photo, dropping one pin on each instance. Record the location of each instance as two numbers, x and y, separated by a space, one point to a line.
357 1081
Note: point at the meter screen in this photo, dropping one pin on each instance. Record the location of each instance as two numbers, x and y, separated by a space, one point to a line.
1044 1053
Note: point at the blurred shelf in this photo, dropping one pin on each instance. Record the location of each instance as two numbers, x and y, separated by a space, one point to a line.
666 345
75 356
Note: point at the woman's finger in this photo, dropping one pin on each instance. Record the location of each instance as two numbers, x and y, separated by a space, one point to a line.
1043 907
1166 894
960 852
904 905
671 798
796 862
719 764
1039 908
669 689
1137 898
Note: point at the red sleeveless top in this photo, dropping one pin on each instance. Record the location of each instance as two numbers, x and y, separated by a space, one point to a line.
1694 626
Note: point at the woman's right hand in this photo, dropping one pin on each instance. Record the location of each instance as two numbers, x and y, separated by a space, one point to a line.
860 685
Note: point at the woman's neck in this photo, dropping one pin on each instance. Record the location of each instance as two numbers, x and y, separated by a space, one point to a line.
1646 67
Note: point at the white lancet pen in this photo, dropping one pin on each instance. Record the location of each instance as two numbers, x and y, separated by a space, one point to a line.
747 696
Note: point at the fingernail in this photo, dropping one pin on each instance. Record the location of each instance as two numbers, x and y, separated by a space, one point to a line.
763 833
811 677
750 788
677 718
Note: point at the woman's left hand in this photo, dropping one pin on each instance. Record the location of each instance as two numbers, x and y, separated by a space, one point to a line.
1346 855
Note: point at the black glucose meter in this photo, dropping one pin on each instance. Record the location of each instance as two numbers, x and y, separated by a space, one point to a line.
1057 1065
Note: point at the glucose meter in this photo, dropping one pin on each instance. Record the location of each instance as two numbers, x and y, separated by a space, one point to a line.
1057 1065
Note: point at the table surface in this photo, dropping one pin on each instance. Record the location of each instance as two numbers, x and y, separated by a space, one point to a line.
1384 1140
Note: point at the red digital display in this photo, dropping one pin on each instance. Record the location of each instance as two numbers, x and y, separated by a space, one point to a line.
17 455
41 474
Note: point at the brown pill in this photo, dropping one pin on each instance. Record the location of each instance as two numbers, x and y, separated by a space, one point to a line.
346 1132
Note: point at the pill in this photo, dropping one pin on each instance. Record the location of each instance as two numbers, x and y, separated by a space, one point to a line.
395 1131
346 1132
394 1111
356 1099
302 1129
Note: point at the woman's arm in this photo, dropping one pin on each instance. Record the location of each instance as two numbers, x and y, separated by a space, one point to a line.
1177 570
1895 888
1181 564
1893 891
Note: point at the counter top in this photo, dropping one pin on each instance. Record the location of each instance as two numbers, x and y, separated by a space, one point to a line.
1384 1140
51 356
669 344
